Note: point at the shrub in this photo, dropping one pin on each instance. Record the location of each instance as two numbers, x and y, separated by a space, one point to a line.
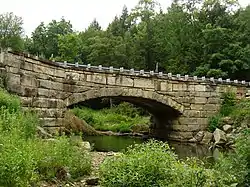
214 122
24 157
237 163
59 157
228 103
241 112
154 164
8 101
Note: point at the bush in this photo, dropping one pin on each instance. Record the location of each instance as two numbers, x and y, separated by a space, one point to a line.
25 159
241 112
59 157
228 103
215 122
12 103
154 164
228 106
237 163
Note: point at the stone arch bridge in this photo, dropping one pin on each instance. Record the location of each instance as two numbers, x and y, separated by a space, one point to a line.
181 105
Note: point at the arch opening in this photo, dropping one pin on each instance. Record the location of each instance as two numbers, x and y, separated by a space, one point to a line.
161 114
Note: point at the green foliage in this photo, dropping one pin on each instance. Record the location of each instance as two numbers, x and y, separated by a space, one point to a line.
10 102
214 122
237 163
228 107
228 103
62 156
26 159
11 31
154 164
121 118
241 113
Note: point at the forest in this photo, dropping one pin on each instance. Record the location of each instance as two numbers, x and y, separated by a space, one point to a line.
196 37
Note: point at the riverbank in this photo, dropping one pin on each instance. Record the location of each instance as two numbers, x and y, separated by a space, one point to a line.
93 178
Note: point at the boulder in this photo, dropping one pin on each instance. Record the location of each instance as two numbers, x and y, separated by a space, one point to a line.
227 128
199 136
85 145
42 133
219 136
92 181
227 121
207 138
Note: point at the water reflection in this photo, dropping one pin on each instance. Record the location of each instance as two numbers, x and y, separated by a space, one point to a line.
120 143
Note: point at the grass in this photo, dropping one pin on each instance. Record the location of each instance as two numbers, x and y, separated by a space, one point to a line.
25 158
121 118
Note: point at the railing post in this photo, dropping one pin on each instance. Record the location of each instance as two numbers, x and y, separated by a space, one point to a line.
76 64
111 69
236 81
132 71
142 72
100 67
65 64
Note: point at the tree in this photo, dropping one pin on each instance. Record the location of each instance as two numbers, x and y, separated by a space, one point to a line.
11 31
45 37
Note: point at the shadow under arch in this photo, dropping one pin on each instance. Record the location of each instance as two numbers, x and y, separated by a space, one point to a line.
163 108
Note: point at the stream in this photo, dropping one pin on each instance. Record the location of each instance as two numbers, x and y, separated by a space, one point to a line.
120 143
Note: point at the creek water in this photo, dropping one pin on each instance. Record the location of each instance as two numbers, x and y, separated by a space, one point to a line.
120 143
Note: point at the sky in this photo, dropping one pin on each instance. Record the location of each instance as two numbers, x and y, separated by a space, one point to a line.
80 12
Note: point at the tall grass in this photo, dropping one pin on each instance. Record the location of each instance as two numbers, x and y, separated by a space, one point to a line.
25 159
121 118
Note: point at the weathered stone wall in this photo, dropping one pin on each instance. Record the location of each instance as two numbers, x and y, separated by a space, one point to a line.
49 89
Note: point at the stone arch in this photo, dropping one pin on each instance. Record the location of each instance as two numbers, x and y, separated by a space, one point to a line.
124 92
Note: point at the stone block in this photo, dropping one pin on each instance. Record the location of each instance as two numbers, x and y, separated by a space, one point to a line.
26 101
211 107
44 70
192 113
111 80
200 100
26 66
144 83
27 80
13 70
51 85
28 91
180 87
200 88
191 87
58 72
166 86
213 100
198 107
43 92
124 81
97 78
